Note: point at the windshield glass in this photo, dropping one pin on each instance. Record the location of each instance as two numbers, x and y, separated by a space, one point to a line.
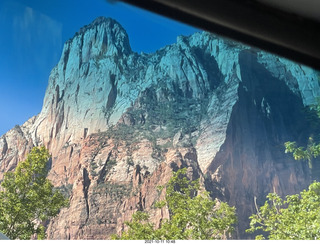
122 98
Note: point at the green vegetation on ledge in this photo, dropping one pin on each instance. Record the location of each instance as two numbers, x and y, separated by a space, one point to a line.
193 215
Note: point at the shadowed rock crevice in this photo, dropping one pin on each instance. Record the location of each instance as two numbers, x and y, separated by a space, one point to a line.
252 160
113 93
218 108
86 185
103 172
209 63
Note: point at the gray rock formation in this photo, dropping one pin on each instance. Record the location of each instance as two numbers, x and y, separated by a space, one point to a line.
117 123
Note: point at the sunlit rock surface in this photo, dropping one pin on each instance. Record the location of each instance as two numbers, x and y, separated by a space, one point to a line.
117 123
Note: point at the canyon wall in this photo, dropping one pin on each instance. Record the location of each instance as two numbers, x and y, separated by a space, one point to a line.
117 123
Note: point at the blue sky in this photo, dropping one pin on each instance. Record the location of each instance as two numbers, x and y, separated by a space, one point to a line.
32 34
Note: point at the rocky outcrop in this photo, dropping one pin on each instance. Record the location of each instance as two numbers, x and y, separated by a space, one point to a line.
251 162
117 124
15 145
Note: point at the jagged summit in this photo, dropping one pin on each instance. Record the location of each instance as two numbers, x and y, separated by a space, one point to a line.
98 21
117 123
102 20
103 32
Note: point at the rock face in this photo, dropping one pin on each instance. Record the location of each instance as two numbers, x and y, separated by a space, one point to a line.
117 124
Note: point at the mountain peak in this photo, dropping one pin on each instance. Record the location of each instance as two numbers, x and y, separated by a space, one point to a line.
99 21
105 30
104 37
117 123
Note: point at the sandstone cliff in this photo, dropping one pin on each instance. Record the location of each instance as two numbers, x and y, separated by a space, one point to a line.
117 123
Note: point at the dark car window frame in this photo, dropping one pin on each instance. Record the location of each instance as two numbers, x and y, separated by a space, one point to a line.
287 34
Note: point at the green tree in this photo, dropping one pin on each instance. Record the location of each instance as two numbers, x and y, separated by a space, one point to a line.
300 153
295 218
27 198
193 215
313 149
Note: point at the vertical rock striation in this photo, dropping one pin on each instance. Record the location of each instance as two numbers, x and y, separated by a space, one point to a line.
117 123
